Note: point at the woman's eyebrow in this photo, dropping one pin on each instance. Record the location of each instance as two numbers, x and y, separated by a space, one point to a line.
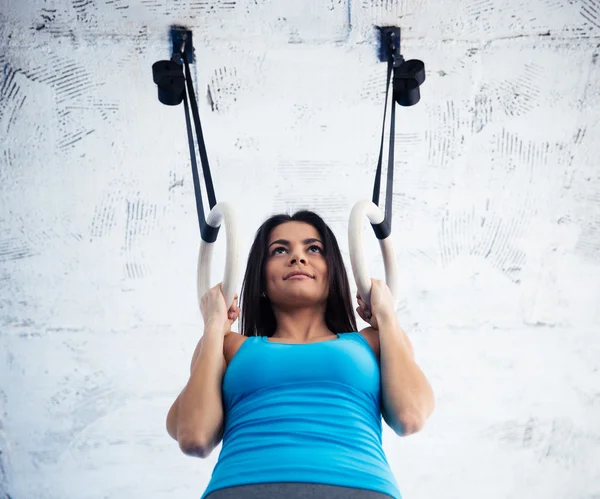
285 242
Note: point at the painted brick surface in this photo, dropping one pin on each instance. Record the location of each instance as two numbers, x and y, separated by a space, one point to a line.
496 226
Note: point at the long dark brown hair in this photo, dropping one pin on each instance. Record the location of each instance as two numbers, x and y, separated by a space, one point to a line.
257 317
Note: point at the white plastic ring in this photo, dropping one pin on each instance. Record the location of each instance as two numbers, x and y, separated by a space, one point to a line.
221 212
370 210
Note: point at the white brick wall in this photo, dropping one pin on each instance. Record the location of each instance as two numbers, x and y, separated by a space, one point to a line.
496 226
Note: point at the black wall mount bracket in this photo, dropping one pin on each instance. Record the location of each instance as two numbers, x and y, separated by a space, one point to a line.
182 42
389 42
408 75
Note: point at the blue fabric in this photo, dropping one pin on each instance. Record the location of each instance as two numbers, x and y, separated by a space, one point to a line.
303 413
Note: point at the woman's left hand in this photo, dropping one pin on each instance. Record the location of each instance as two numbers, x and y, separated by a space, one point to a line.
382 304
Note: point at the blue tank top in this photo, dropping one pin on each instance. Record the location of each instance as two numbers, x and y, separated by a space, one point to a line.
303 413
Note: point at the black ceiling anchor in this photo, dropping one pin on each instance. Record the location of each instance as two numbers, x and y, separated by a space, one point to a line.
168 75
408 75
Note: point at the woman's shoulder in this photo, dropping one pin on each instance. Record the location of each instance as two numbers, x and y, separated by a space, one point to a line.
372 336
231 344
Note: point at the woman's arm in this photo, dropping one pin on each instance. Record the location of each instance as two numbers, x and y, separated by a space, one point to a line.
407 396
172 415
195 419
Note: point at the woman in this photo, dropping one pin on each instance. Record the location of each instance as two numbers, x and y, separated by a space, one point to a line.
298 397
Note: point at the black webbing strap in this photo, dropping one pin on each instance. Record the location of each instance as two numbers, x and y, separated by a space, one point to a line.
209 234
384 229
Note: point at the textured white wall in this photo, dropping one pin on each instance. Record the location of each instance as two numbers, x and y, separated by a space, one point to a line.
496 226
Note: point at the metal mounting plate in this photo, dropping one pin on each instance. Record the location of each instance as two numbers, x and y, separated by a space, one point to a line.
389 40
178 35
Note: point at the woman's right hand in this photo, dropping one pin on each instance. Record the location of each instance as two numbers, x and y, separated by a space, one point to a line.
214 309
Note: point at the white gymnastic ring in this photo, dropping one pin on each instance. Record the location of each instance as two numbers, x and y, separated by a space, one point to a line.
370 210
222 212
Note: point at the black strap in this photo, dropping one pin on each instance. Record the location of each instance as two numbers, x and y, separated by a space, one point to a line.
209 233
384 229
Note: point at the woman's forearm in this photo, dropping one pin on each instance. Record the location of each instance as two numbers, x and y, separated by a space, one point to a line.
407 396
198 410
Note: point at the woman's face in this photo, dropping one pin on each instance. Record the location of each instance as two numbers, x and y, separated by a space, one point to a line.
296 246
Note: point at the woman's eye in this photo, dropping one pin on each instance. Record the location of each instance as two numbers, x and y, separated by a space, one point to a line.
311 247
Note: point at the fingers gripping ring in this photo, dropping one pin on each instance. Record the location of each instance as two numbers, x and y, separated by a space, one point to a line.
221 212
370 210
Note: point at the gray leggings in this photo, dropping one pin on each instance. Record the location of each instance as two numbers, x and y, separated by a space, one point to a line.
294 491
